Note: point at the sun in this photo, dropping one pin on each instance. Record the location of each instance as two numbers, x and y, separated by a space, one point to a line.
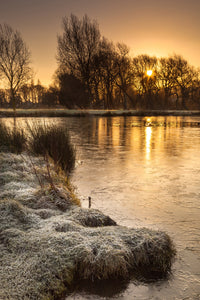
149 72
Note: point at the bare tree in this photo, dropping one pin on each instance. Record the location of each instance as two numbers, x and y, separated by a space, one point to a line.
167 77
125 78
105 63
184 77
14 60
77 46
146 86
178 78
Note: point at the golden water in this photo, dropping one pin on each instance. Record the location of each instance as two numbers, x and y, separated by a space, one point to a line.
143 172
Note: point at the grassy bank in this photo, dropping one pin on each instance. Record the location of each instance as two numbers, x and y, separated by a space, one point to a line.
84 113
48 242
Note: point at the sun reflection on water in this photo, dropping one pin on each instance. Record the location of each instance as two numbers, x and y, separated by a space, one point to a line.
148 134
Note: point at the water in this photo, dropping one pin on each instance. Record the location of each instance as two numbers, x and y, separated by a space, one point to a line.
143 172
144 175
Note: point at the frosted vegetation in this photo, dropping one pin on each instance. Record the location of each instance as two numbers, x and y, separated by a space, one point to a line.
48 242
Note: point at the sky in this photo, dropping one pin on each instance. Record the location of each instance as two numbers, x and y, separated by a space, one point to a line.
154 27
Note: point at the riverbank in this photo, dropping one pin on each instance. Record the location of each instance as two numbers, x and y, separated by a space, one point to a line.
48 242
84 113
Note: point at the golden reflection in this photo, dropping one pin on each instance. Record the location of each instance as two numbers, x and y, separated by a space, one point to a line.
101 131
163 134
115 135
148 122
148 134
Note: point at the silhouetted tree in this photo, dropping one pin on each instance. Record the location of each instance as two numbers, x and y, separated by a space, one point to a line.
112 75
195 90
177 78
14 60
77 46
94 72
146 86
39 91
167 77
105 63
25 93
125 78
50 96
2 98
184 77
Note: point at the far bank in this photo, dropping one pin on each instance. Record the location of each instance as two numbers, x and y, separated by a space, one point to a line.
87 112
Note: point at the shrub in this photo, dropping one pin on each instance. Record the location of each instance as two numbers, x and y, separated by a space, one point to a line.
12 140
55 142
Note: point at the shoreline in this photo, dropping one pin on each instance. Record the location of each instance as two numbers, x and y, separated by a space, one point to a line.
6 113
49 243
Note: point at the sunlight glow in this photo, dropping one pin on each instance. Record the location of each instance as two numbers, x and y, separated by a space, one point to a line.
148 132
149 72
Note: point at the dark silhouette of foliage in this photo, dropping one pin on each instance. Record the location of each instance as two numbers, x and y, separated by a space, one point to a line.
50 96
72 92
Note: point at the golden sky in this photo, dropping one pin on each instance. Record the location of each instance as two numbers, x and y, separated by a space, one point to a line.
154 27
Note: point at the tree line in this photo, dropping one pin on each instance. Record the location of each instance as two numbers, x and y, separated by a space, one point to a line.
93 72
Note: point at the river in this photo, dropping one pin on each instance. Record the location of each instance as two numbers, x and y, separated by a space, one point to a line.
143 172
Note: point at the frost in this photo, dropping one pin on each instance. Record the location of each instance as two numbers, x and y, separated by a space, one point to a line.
47 242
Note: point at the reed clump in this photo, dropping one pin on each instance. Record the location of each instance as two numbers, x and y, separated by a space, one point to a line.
12 140
53 141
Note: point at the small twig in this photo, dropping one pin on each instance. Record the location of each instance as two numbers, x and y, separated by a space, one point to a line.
48 172
90 201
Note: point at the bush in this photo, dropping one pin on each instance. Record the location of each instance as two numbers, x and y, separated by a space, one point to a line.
53 141
12 140
72 92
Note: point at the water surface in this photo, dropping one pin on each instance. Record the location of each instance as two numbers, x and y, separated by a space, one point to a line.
143 172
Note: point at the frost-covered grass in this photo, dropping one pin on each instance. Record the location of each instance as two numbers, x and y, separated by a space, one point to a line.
21 177
40 139
48 242
17 178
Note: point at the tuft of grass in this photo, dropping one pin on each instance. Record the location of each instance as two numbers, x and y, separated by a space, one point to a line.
93 218
118 252
12 140
55 142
